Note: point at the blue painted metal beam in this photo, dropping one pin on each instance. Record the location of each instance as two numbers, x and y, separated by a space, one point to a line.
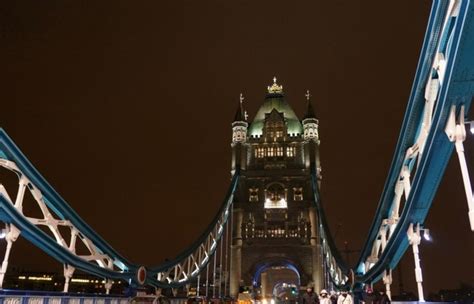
55 202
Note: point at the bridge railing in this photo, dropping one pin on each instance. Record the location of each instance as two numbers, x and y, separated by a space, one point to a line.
40 297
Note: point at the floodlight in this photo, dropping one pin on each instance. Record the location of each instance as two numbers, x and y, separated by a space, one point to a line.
426 234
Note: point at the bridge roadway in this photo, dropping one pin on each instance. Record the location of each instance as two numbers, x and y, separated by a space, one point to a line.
38 297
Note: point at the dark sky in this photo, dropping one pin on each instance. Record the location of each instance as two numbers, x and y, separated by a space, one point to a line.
125 107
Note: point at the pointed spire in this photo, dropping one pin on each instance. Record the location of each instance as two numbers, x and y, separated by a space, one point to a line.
240 115
310 110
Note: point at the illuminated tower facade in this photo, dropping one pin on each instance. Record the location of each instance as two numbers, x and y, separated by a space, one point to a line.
275 229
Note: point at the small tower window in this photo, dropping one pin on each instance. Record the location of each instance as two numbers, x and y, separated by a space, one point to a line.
290 151
270 151
253 194
273 151
298 194
279 151
259 152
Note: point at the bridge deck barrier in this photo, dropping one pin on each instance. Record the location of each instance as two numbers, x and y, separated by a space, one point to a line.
36 297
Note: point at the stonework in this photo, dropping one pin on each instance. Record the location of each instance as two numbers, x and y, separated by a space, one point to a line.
274 221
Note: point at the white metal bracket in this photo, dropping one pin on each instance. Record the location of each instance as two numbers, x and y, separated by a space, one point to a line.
456 132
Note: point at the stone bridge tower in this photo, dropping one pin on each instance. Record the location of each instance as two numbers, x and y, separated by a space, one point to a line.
275 229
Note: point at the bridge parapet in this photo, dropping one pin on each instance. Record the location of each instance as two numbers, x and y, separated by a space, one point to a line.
59 298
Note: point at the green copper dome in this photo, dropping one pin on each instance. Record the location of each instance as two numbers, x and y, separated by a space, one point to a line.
275 100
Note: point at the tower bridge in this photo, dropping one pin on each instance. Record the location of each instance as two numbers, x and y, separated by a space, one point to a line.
271 228
275 217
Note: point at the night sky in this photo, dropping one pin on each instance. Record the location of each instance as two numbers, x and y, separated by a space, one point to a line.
125 107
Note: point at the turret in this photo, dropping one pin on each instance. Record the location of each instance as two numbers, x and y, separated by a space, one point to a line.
240 125
311 137
239 136
310 123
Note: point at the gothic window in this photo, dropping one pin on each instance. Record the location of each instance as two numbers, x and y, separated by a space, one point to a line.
253 194
259 152
298 194
270 151
279 151
311 131
273 151
274 127
239 134
290 151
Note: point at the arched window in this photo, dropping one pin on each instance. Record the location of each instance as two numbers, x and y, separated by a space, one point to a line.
275 196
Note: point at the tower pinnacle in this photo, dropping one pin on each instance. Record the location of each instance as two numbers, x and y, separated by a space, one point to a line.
275 88
309 107
240 115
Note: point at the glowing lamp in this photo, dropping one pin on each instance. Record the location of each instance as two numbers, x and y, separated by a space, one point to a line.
426 234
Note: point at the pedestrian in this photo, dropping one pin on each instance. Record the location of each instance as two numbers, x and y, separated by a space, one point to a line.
383 297
369 297
324 297
345 298
333 297
310 297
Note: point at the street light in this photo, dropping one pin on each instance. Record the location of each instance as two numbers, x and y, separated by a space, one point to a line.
3 233
471 125
426 234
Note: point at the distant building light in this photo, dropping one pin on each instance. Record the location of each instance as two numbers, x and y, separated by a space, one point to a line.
21 278
74 280
40 279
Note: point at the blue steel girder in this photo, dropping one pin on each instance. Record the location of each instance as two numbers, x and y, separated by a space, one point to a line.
45 243
9 151
444 78
29 178
456 89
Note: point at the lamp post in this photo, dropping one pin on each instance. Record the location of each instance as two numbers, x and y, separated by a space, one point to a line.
414 237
